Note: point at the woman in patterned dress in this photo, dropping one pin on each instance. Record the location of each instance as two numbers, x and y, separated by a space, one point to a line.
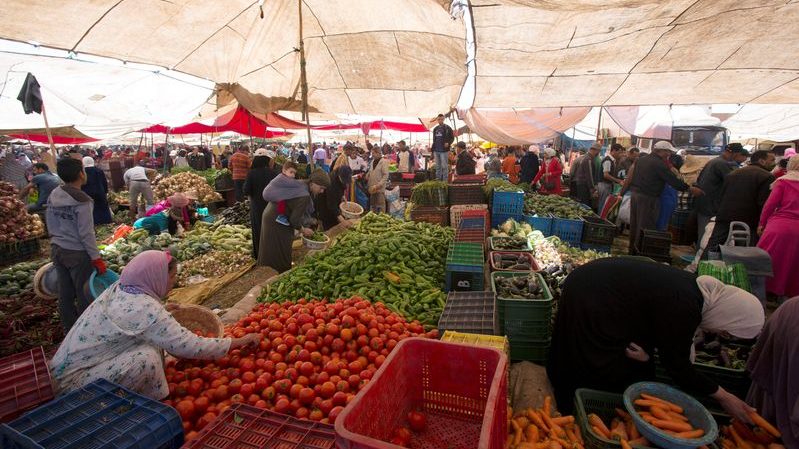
122 335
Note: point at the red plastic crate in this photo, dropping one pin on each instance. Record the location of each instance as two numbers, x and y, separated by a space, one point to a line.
24 383
469 179
470 235
245 427
461 388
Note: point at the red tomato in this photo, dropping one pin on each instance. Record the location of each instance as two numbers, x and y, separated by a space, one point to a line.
302 413
316 415
235 386
334 413
247 390
307 368
404 434
221 393
201 404
339 398
306 395
248 377
328 389
325 406
282 406
295 389
417 421
186 409
269 393
190 435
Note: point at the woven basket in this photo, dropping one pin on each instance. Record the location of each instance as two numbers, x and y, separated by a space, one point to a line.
42 288
313 244
350 214
198 318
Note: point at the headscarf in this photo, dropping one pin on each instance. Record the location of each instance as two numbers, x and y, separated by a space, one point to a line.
549 152
178 200
88 162
320 178
147 273
260 161
729 309
535 149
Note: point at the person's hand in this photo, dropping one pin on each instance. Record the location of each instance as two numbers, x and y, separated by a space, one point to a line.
247 340
733 405
172 306
635 352
696 191
760 230
306 232
345 223
99 265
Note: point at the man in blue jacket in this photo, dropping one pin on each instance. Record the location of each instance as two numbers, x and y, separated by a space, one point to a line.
442 140
73 244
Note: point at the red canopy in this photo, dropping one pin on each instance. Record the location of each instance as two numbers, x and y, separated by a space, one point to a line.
380 124
239 121
42 138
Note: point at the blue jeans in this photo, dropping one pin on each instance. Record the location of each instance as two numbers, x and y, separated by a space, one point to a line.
442 165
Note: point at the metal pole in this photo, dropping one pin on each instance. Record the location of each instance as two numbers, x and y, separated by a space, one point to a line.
304 87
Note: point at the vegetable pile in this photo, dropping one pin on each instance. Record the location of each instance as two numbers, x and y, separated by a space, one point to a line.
221 236
16 224
238 214
119 253
500 185
187 182
509 243
18 278
712 350
210 175
397 262
555 205
212 264
519 287
542 428
28 321
417 423
429 193
743 436
512 262
121 198
314 357
318 237
512 228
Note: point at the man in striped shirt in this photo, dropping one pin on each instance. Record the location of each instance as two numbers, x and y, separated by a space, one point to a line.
239 165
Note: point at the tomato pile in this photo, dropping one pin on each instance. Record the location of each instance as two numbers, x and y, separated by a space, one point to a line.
313 358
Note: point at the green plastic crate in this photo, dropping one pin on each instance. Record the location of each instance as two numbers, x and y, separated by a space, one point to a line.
493 248
530 350
603 404
524 318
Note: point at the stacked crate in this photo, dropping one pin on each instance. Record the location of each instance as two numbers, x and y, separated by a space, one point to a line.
526 322
465 267
505 205
656 245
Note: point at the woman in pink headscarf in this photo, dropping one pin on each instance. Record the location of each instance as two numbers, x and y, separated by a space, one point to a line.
123 334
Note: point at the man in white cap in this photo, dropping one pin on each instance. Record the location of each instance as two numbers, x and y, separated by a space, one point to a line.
649 177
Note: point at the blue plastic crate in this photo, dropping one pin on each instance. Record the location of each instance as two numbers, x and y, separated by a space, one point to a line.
472 223
99 415
543 224
508 203
498 219
600 248
570 231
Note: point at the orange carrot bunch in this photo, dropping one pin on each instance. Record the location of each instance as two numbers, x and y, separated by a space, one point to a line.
666 416
621 429
542 428
741 436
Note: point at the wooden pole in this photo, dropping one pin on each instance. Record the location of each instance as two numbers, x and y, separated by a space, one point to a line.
304 88
50 161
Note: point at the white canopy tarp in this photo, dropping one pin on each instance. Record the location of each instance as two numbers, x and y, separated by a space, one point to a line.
543 53
101 100
779 123
363 56
523 126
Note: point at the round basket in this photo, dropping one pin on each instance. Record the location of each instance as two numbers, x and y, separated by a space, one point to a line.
313 244
350 210
45 282
198 318
99 282
696 413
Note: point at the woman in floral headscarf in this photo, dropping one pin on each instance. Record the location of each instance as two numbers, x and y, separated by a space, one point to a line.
121 336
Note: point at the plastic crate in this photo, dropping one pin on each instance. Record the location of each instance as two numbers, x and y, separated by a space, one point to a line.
461 388
679 236
679 218
470 235
24 383
472 312
524 318
507 203
456 213
604 405
530 350
431 214
466 194
469 179
528 248
245 427
20 251
405 190
736 381
464 280
543 224
528 256
478 224
598 248
655 242
421 176
489 341
570 231
99 415
598 231
498 219
432 197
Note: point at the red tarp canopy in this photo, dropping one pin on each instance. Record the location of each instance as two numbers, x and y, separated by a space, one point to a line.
380 124
239 121
42 138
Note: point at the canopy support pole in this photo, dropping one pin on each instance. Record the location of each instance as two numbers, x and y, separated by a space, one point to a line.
166 153
304 88
51 161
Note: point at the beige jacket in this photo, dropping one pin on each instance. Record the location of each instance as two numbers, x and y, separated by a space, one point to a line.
378 176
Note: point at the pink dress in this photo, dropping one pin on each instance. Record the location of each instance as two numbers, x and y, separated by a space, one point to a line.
780 238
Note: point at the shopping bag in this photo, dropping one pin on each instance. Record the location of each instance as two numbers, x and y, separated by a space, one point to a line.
624 209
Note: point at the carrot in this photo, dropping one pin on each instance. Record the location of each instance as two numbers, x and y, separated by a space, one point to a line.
547 405
647 403
691 434
554 445
625 444
571 436
759 421
660 413
553 428
671 425
595 421
677 416
542 445
618 432
517 433
632 431
533 415
622 414
531 433
563 420
670 405
640 442
599 432
522 421
578 433
775 446
727 444
526 445
740 442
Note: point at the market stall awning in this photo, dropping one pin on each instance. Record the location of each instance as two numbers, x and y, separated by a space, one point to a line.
532 53
61 135
238 121
376 125
363 56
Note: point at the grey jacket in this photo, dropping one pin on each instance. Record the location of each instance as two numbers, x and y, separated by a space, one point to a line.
70 222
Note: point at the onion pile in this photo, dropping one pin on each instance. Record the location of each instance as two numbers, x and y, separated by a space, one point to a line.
213 264
187 183
16 224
